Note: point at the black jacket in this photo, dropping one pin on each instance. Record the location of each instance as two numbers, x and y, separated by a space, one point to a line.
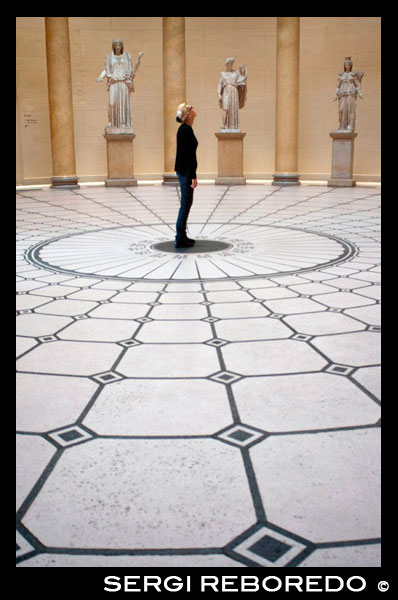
186 151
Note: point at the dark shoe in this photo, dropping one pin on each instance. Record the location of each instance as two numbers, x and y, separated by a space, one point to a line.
184 244
187 239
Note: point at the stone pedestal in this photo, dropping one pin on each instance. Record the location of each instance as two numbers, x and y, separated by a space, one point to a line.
230 159
342 158
119 149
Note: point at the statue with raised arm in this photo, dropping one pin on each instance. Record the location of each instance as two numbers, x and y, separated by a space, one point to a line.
119 72
232 92
348 88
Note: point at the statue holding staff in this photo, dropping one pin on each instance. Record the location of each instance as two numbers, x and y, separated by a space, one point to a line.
348 88
119 72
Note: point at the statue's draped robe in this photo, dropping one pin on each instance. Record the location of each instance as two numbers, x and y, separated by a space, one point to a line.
348 87
120 73
232 88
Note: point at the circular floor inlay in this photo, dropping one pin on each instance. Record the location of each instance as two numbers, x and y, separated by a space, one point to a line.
221 251
200 247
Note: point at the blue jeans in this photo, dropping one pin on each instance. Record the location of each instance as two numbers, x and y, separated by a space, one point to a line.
185 206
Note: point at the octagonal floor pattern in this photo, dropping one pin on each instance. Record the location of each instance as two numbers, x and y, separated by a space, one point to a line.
217 407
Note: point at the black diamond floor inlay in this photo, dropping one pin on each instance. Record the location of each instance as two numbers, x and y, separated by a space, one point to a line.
240 435
226 367
269 548
68 436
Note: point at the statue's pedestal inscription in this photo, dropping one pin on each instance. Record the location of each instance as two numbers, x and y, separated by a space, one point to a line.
342 158
119 148
230 159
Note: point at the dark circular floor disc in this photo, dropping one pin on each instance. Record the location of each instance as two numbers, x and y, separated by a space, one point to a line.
200 247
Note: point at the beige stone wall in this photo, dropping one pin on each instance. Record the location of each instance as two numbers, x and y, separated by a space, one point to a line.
252 41
209 41
90 39
324 42
33 123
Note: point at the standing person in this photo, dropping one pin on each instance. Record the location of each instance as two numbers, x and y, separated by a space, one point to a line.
185 167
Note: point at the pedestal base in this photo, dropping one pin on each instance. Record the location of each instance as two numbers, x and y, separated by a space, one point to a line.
230 181
114 182
341 182
119 148
342 159
230 159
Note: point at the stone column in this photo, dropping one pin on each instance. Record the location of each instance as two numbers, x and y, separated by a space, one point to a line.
287 101
60 100
174 89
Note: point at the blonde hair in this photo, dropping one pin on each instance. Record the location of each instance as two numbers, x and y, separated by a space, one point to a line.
182 112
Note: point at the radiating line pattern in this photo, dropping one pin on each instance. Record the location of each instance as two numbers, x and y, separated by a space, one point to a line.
127 253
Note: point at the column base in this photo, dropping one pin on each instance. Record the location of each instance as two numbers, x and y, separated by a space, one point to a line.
69 183
120 182
286 179
230 181
170 179
333 182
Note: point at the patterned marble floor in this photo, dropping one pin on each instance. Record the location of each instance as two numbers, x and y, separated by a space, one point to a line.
208 408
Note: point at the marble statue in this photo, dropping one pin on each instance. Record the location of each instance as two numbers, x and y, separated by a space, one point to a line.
120 72
232 92
348 88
